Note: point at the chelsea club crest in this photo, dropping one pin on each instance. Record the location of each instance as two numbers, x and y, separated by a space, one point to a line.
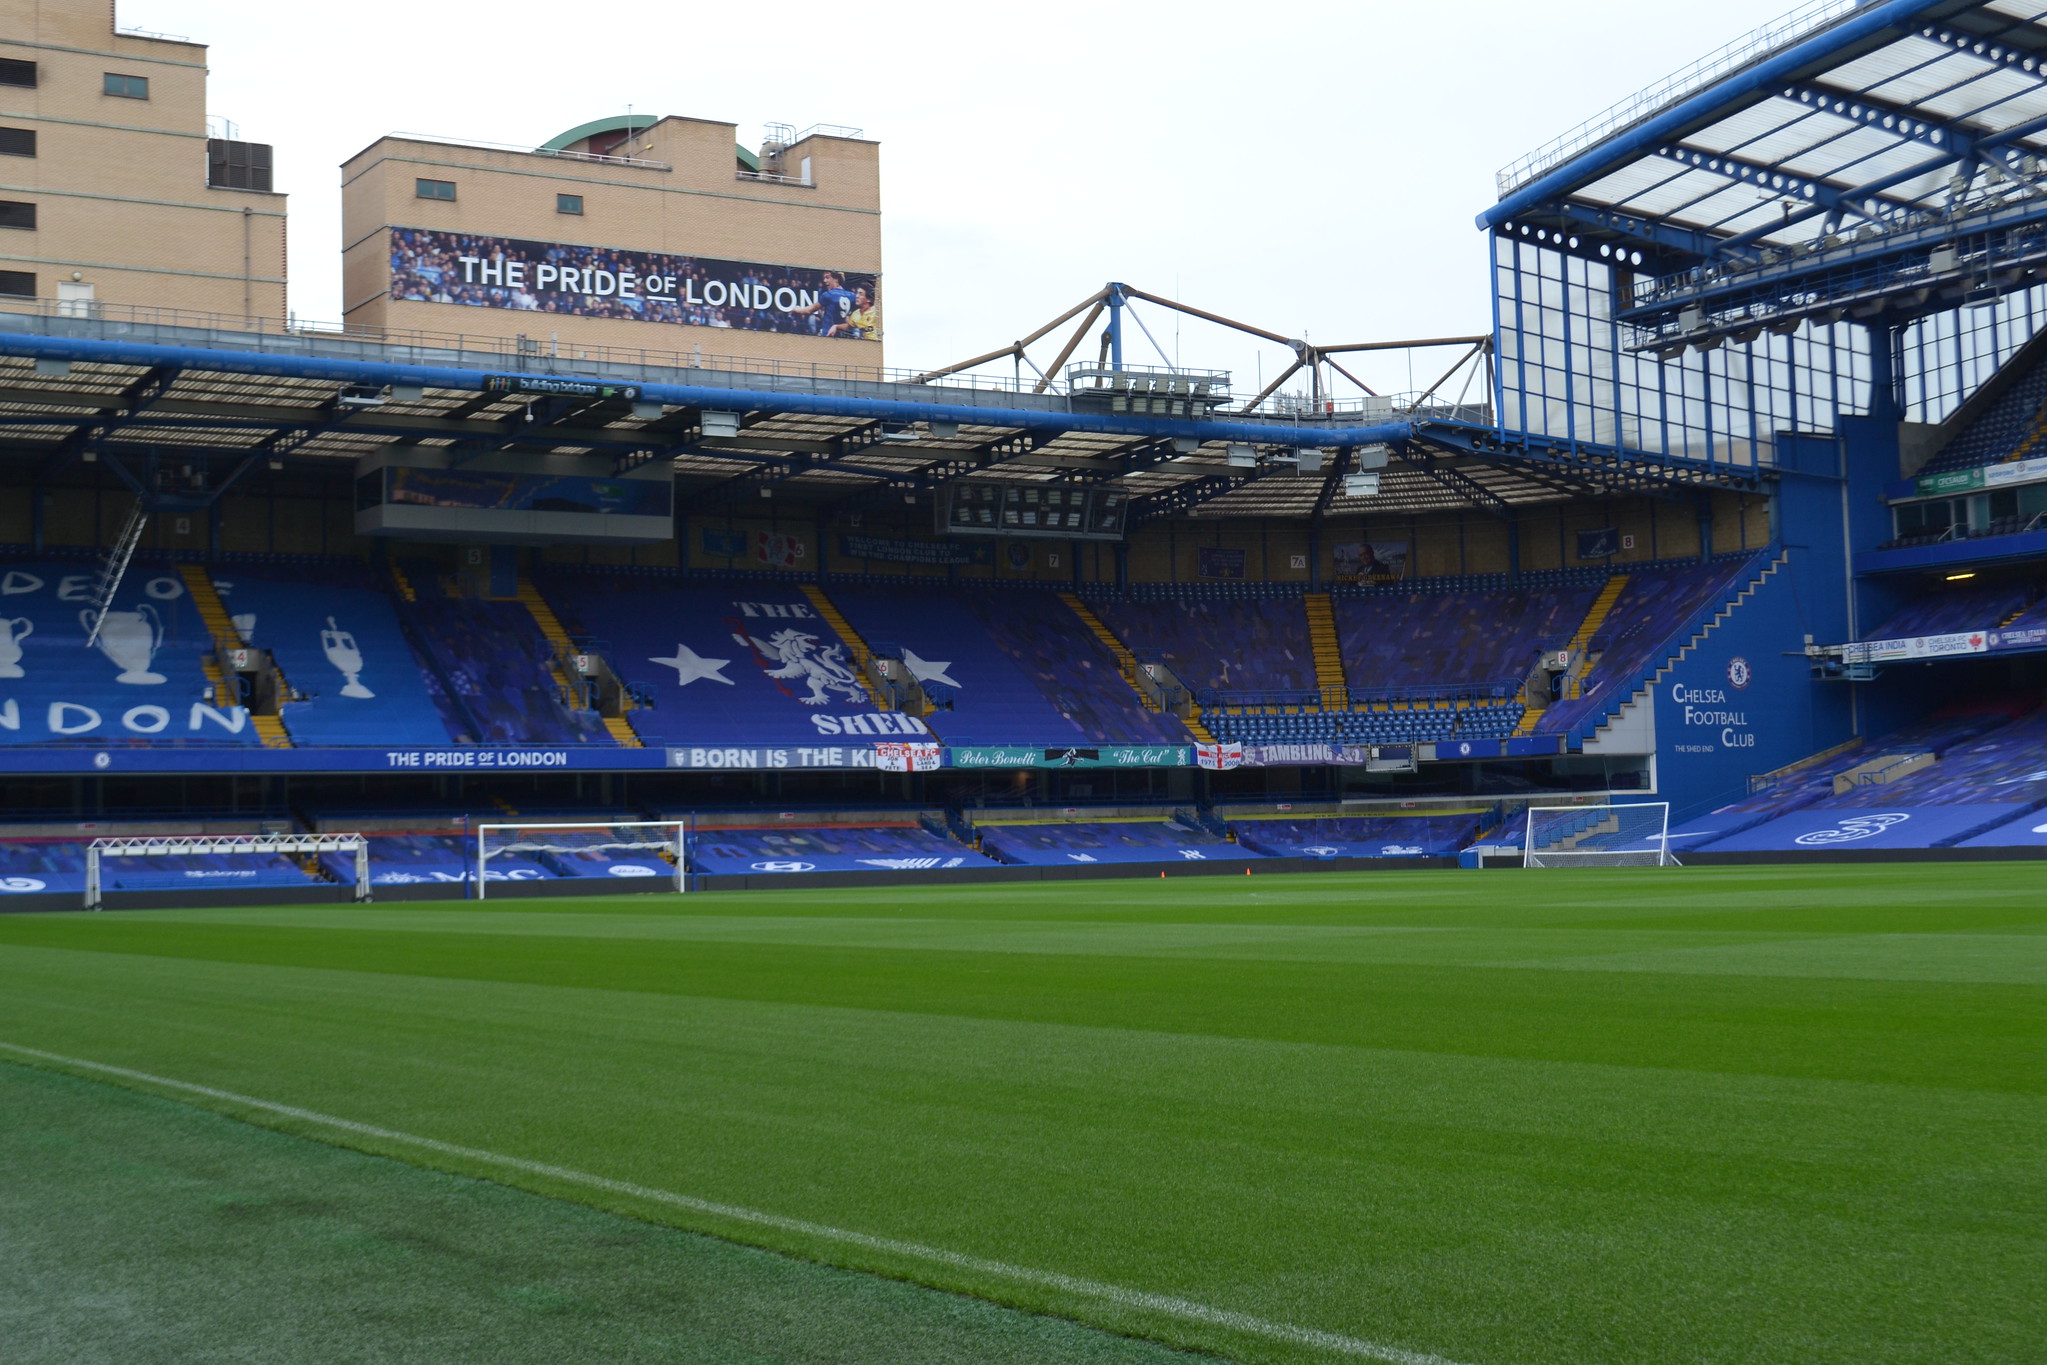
1738 672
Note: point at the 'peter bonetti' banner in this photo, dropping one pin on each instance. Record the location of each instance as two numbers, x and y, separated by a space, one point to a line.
639 286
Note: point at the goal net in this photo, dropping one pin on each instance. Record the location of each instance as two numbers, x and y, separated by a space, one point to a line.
1606 835
634 854
181 862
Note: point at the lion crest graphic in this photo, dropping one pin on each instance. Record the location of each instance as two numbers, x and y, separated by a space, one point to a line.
801 657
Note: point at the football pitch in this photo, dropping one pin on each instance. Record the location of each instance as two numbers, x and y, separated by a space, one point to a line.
1503 1118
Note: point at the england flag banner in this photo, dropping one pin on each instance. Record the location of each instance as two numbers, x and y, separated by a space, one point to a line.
1219 757
904 757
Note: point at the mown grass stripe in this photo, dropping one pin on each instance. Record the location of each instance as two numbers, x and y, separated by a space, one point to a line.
1165 1305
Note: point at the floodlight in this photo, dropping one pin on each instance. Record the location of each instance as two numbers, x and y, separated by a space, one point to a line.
1243 457
1309 461
720 423
1361 485
1186 445
944 431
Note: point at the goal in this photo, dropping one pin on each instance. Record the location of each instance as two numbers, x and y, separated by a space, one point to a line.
222 860
643 852
1606 835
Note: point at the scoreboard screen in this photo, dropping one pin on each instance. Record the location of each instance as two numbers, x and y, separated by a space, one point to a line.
1048 511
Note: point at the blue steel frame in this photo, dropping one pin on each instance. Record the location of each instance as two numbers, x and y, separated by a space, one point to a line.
1580 358
380 375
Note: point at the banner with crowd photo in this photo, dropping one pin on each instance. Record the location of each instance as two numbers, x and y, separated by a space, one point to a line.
634 286
914 551
1215 562
1359 560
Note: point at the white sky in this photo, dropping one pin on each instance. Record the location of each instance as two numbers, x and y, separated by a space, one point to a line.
1313 169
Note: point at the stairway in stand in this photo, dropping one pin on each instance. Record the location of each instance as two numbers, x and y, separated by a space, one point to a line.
1328 653
219 625
558 640
1126 663
1581 654
850 637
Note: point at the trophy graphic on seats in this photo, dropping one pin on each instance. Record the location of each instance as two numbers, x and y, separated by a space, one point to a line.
12 633
130 639
340 649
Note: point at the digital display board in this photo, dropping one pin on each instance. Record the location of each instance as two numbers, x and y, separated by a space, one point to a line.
1046 511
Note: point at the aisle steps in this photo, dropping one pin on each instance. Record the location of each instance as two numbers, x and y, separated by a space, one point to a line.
213 612
1328 653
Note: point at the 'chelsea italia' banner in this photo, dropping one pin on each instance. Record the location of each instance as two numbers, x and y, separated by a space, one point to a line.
637 286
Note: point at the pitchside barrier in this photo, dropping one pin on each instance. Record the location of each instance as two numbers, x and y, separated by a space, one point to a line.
1607 835
222 846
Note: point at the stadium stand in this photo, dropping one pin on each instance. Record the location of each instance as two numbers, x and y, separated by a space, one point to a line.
1396 836
1061 843
968 655
1952 609
491 670
28 866
2009 428
1232 644
834 848
338 641
736 663
1422 639
1654 614
142 681
1936 782
1072 667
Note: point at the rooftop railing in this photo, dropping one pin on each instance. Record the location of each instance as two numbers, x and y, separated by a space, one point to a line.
1779 32
558 153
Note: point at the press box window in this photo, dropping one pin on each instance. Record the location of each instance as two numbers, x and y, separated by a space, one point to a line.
17 215
434 189
14 72
126 87
18 283
234 165
17 142
568 203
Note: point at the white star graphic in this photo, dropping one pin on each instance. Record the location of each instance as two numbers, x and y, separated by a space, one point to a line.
924 670
689 666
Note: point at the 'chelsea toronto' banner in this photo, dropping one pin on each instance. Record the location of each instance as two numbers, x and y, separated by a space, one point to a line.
637 286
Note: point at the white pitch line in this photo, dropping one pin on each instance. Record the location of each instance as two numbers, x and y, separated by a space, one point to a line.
1184 1309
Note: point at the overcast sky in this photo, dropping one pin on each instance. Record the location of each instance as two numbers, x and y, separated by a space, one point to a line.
1313 169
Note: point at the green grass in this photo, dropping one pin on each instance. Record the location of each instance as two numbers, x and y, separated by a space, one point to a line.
1699 1115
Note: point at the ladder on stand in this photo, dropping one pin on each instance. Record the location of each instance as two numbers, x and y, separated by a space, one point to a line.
116 568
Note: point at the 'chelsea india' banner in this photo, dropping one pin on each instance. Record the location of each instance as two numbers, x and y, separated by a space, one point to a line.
638 286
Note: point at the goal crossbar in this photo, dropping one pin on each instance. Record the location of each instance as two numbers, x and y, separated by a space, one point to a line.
1610 834
230 845
625 835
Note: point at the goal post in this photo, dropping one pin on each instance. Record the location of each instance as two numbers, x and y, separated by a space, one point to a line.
629 850
1634 834
222 846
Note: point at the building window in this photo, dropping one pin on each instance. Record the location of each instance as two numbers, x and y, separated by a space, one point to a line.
18 283
568 203
17 142
434 189
126 87
234 165
17 215
14 72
